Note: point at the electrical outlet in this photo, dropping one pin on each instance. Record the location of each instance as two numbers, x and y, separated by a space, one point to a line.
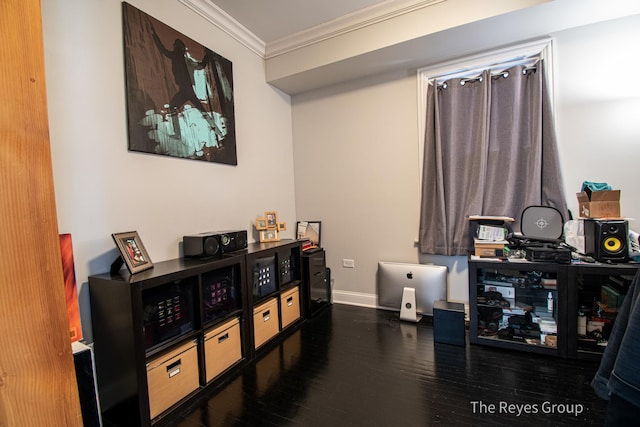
348 263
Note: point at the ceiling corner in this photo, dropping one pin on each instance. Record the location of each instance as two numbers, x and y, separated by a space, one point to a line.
212 13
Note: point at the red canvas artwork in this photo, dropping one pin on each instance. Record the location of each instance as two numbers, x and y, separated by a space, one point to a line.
70 291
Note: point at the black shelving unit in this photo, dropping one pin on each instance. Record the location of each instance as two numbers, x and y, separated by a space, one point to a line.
526 286
585 296
597 292
175 311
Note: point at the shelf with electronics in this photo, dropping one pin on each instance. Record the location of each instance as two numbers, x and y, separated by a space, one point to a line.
567 310
540 294
166 333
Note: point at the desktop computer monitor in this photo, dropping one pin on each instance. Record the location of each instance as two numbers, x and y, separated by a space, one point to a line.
429 282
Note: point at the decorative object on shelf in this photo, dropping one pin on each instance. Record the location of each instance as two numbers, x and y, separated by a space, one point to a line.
309 232
179 93
272 219
132 252
269 227
269 235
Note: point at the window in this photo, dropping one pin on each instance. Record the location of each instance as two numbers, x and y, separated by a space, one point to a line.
489 143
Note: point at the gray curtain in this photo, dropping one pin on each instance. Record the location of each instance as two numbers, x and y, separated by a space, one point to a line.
490 149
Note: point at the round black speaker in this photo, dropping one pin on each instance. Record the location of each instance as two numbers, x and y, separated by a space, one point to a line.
210 246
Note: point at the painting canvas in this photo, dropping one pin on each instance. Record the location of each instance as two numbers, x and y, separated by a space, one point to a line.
70 290
179 93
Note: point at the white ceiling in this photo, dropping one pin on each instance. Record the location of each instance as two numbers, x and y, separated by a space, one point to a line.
291 35
271 20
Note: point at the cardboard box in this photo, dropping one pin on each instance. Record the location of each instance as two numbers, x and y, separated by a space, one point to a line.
222 348
289 307
171 376
600 204
265 321
488 248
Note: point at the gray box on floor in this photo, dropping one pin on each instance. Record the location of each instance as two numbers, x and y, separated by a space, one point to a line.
448 322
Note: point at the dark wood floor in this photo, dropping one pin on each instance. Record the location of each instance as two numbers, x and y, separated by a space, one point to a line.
353 366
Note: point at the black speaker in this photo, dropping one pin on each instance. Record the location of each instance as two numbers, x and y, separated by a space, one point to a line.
231 241
202 245
606 240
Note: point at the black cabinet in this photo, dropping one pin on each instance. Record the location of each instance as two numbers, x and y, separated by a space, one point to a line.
566 310
518 305
319 283
597 293
165 334
155 321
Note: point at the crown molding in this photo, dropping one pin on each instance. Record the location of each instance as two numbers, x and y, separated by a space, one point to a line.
372 15
359 19
226 23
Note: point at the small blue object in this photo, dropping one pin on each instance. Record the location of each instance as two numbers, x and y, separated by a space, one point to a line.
595 186
589 187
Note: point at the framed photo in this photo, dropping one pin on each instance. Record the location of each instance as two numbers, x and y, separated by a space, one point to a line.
261 224
132 251
309 231
269 235
180 97
282 226
272 219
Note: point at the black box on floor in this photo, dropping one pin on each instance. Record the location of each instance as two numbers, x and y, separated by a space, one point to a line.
448 322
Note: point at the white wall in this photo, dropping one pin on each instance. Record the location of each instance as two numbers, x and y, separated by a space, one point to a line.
355 147
101 188
356 153
599 109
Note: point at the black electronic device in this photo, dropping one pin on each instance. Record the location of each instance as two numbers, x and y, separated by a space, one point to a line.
606 240
202 245
548 253
214 243
232 240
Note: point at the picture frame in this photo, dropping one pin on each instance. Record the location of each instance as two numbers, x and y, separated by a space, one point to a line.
132 251
272 219
173 83
269 235
261 224
309 231
282 226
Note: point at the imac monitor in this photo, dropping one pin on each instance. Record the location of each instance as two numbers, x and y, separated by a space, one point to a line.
429 282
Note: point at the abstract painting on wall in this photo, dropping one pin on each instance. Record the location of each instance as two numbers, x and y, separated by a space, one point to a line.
70 290
179 93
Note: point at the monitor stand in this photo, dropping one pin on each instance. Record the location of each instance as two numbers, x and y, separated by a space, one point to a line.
408 307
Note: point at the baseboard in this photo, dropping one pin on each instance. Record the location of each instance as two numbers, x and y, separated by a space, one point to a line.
371 301
355 298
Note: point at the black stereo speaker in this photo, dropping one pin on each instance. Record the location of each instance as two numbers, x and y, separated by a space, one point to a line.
202 245
214 243
606 240
231 241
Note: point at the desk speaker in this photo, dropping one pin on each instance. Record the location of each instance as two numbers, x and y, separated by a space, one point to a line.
202 245
606 240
